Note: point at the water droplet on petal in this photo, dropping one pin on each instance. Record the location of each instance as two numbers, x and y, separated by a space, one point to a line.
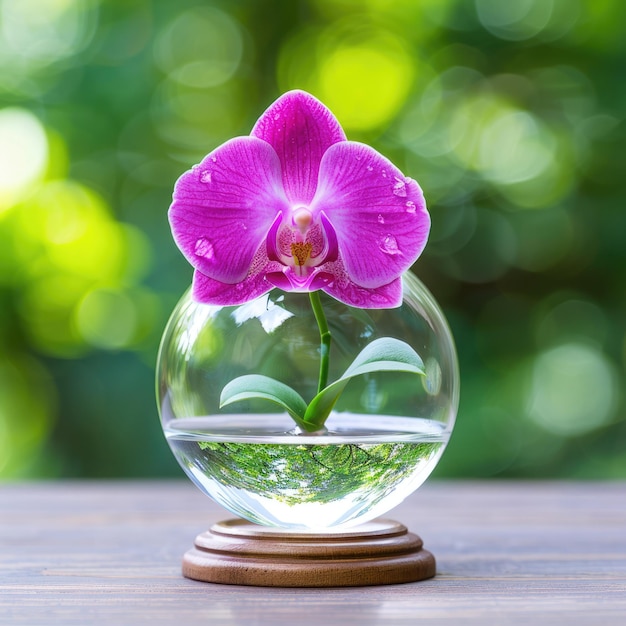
410 206
389 245
214 159
205 177
276 117
381 219
369 168
204 248
358 157
399 188
384 174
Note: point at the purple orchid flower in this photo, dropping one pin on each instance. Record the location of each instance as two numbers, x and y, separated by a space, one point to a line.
297 206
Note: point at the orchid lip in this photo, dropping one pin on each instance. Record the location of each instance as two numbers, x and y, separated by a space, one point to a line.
280 280
301 260
289 281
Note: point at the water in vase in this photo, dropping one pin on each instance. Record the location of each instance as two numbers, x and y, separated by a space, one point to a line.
261 470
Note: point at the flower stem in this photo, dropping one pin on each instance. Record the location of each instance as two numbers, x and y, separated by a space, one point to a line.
320 318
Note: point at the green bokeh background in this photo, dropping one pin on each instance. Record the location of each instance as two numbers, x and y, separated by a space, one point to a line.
509 114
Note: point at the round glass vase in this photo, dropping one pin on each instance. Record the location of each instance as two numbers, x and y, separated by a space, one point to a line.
383 438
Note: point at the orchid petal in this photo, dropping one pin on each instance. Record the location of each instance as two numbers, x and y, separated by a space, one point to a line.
255 284
335 282
379 216
300 129
224 206
212 291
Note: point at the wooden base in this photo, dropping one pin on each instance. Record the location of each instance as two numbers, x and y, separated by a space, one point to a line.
237 552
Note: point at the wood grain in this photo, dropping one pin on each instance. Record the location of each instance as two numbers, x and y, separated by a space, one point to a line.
507 553
237 552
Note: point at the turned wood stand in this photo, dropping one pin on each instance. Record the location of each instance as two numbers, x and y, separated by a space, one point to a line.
237 552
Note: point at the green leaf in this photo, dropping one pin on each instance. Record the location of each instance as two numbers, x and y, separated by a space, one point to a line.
257 386
382 355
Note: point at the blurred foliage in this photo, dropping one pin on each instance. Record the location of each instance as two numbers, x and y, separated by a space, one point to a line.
510 115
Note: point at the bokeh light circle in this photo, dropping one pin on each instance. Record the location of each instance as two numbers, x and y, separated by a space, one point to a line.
36 33
23 153
361 71
365 84
107 318
201 47
573 389
515 21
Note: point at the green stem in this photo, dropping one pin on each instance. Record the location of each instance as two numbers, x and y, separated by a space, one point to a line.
320 318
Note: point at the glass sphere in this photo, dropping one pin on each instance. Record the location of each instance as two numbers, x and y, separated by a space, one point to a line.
382 439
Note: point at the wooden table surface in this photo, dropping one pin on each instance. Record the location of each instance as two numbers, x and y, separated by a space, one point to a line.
507 553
